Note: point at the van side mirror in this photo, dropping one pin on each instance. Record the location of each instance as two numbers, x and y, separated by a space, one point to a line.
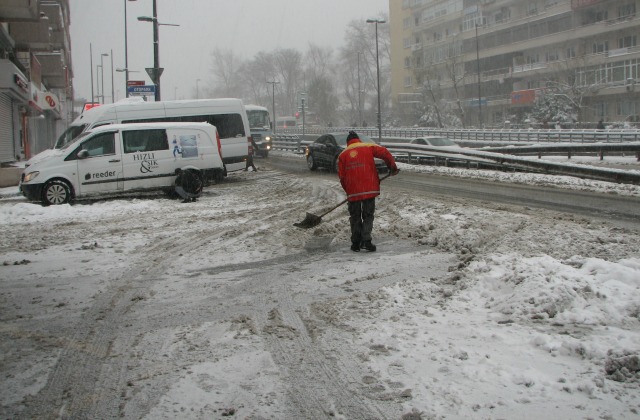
83 154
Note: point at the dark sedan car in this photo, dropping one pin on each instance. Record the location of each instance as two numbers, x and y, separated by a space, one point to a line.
324 152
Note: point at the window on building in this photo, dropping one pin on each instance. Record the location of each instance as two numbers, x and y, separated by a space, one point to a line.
601 109
626 108
408 81
407 62
571 52
600 47
627 41
406 43
406 23
532 8
627 11
552 55
602 15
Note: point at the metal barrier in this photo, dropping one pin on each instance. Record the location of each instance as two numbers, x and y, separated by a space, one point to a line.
404 150
618 135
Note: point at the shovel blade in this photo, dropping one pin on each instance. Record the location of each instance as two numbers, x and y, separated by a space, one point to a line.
311 220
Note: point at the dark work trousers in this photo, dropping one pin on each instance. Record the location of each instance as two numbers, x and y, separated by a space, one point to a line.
361 218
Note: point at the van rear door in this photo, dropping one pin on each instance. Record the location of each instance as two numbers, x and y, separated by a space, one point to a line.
101 170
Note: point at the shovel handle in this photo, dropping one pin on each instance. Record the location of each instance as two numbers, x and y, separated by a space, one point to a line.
345 200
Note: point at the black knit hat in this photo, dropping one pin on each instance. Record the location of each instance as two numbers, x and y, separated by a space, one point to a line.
352 135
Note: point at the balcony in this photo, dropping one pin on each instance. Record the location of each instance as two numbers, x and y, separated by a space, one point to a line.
19 10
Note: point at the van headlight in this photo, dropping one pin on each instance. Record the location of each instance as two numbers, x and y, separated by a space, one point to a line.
31 176
267 138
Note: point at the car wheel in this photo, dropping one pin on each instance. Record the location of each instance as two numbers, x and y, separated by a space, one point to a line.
311 163
56 192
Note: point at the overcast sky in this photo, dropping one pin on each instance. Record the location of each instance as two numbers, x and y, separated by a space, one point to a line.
246 26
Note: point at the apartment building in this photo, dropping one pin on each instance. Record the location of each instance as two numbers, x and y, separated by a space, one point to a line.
487 61
35 76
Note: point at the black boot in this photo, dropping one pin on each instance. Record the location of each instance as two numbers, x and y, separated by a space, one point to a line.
355 246
369 246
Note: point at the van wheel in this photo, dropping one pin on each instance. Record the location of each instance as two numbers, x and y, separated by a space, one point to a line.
56 192
191 182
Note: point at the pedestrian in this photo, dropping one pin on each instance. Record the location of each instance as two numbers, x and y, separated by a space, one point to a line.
252 149
359 179
600 125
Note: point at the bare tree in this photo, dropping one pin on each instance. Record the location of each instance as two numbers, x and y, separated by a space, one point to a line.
254 74
225 72
360 49
288 70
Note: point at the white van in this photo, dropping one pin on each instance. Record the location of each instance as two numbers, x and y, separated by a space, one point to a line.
126 157
227 115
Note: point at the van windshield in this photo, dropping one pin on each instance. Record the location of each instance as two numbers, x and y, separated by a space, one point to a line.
75 140
69 136
258 119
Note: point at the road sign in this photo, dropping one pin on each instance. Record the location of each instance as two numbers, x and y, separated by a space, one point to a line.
154 73
147 90
135 83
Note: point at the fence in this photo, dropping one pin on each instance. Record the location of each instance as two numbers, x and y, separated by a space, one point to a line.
503 158
497 136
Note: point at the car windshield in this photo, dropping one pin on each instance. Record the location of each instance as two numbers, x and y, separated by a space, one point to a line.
341 139
69 135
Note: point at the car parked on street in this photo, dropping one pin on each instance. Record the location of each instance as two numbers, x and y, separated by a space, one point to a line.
324 151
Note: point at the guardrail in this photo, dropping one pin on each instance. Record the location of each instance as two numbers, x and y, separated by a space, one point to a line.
618 135
496 157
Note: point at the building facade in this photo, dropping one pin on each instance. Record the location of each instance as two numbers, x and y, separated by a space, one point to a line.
36 95
489 61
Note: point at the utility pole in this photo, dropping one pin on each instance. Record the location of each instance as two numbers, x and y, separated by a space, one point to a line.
273 109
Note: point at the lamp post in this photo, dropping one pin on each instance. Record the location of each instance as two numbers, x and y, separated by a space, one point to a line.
273 109
359 92
126 51
197 89
377 21
156 71
93 98
112 92
102 75
98 97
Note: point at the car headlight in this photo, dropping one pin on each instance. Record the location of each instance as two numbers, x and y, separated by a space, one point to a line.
268 147
267 138
31 176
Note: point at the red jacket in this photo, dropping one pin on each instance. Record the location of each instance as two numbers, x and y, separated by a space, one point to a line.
357 169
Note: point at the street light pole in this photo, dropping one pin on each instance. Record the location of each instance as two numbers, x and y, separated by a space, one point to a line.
197 89
273 109
377 21
112 93
156 50
359 93
102 75
93 98
156 71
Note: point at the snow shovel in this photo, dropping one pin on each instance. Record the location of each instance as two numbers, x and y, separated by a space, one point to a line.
311 220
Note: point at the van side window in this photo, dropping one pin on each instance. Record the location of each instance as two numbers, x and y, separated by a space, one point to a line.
103 144
144 140
228 125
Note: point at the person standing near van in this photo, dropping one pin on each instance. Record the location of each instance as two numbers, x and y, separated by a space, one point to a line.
359 179
252 149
